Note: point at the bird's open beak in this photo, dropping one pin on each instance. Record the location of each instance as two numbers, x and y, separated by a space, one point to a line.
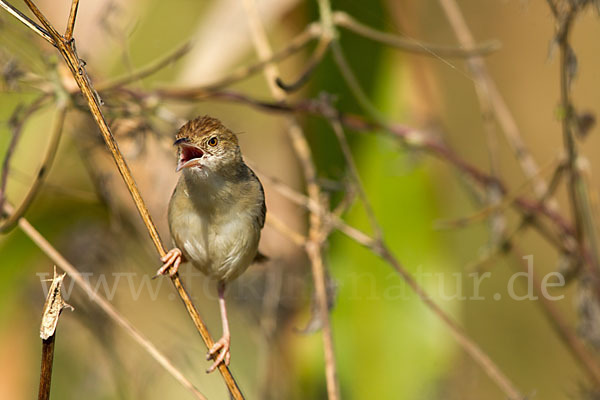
189 156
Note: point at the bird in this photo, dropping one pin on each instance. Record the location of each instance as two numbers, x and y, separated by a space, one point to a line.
216 213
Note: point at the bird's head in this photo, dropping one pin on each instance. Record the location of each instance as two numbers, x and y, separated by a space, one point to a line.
206 146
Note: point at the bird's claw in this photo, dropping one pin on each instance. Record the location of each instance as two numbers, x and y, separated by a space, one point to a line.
171 261
221 350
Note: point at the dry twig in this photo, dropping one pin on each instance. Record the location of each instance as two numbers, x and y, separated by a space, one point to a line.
43 171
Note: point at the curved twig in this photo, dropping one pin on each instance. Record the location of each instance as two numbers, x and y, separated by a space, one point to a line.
16 123
344 20
45 166
313 62
145 71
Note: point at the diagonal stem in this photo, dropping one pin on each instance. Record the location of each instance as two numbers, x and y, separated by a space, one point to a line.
27 21
67 50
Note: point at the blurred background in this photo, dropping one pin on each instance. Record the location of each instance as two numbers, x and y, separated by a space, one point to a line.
388 344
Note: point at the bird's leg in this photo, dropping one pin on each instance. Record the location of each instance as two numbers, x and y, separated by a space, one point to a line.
221 346
171 262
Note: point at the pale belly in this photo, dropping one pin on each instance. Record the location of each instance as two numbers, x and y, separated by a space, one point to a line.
221 249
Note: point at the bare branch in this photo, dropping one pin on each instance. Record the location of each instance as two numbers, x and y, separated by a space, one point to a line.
16 122
344 20
345 146
489 96
313 62
71 21
147 70
43 171
27 22
569 338
46 368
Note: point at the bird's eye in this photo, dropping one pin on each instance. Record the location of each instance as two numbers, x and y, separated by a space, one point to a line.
212 141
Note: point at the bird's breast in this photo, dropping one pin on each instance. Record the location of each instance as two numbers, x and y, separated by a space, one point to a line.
220 239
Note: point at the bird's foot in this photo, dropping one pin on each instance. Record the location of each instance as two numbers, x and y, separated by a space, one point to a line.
220 350
171 262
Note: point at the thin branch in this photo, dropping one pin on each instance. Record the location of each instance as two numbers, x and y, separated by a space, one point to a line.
353 84
553 7
562 36
46 164
344 20
79 73
145 71
296 44
16 122
316 234
470 347
378 246
585 227
314 60
347 152
572 342
311 32
507 200
489 96
296 238
71 21
46 368
28 22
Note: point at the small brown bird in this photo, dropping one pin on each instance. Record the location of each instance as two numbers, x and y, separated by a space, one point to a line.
216 212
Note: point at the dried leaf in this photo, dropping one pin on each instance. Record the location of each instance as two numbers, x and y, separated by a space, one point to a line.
53 306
